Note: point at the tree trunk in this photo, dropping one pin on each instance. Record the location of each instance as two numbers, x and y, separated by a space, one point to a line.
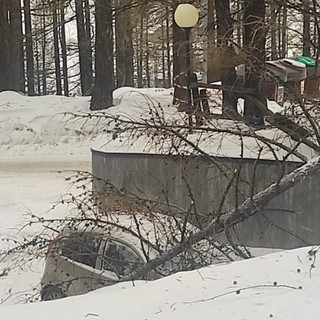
147 58
29 48
37 65
4 47
21 55
212 74
103 84
240 24
44 45
64 52
140 54
226 56
120 30
273 28
284 30
87 21
129 69
84 46
16 45
311 83
124 47
56 47
254 46
168 49
11 46
163 55
306 37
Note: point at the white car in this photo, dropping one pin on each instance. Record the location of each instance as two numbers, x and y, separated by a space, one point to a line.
96 253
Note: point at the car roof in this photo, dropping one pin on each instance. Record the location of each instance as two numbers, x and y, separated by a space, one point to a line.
157 231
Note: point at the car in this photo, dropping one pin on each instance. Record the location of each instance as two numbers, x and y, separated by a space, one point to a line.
92 253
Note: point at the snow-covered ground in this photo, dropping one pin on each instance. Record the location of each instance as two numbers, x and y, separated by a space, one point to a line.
25 188
40 145
278 286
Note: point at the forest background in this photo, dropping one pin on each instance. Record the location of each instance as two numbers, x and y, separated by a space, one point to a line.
84 47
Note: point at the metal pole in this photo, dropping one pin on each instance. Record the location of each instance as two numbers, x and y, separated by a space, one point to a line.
188 66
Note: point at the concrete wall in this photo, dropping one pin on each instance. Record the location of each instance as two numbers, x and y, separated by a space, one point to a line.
201 186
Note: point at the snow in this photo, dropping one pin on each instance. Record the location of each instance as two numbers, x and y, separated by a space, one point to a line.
280 286
27 122
295 63
41 144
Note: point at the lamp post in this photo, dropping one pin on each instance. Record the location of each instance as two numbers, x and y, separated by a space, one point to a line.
186 17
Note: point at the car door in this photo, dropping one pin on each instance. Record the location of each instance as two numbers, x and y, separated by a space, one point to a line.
81 268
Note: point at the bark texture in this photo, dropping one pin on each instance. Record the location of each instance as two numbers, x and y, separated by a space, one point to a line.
103 84
254 47
84 46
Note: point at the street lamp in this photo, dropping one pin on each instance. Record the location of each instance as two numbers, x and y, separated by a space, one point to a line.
186 17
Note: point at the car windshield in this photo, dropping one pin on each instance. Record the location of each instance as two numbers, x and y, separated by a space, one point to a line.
120 258
81 248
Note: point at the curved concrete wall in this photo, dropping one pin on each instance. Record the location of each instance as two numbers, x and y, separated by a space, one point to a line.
201 187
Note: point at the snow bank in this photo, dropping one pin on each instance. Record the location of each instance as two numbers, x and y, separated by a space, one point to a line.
44 126
281 286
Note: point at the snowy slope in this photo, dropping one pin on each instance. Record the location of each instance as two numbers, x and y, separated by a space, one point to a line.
38 126
279 286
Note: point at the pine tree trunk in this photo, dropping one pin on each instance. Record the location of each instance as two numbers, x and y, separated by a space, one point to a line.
226 58
37 65
147 58
43 53
311 83
29 48
64 53
84 46
168 49
129 69
212 74
273 29
306 37
254 46
163 55
140 55
103 84
121 33
56 48
239 25
284 30
88 46
87 21
4 47
11 46
21 55
16 45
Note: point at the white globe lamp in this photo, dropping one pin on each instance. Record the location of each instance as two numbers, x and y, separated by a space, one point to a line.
186 15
